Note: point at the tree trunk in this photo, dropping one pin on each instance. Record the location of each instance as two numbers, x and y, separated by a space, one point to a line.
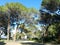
8 28
14 38
59 39
8 31
15 35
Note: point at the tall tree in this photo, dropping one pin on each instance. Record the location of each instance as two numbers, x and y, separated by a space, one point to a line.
51 5
49 8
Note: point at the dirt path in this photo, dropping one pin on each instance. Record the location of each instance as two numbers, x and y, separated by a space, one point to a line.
22 43
25 43
12 43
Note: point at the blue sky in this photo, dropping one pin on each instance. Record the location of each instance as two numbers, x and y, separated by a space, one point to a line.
28 3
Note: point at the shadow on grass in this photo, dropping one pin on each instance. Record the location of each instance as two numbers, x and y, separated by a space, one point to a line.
30 43
2 43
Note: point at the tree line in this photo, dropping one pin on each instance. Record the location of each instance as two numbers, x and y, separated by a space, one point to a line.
49 16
